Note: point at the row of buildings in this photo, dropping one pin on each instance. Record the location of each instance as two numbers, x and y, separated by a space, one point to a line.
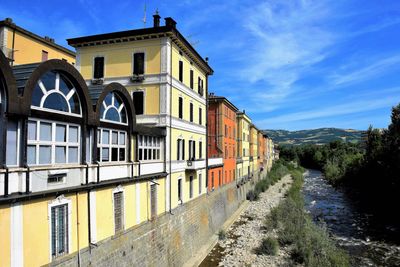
98 141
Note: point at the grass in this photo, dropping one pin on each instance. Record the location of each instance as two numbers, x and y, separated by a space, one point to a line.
269 246
277 171
311 244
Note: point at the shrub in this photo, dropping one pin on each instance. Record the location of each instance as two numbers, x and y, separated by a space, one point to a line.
221 235
269 246
251 195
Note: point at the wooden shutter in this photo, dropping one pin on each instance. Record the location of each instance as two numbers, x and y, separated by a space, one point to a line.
138 100
191 79
98 68
59 230
118 211
153 200
181 71
138 63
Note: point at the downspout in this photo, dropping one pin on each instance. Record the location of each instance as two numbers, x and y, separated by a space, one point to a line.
170 136
77 227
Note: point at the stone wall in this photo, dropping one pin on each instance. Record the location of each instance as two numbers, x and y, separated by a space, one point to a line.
171 239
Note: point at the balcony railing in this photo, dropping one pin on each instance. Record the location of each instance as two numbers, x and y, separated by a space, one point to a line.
195 164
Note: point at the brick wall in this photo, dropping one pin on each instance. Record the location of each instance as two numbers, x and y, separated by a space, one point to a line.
170 239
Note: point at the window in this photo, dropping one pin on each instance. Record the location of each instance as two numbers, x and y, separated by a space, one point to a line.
98 72
138 101
200 150
180 190
200 116
181 149
118 212
180 108
212 180
219 177
59 230
45 55
191 79
113 109
12 143
191 111
138 63
54 92
192 150
52 142
200 185
200 86
111 145
226 131
149 148
181 71
191 186
153 200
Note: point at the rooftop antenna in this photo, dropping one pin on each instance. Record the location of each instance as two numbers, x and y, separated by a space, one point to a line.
144 16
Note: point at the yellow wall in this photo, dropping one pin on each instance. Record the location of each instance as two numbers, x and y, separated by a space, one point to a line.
151 97
186 107
197 72
176 134
5 238
118 58
29 50
185 176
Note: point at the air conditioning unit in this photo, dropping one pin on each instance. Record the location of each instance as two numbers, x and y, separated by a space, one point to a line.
137 78
97 81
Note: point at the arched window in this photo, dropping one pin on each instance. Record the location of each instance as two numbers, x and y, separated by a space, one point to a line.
112 143
55 92
113 109
54 142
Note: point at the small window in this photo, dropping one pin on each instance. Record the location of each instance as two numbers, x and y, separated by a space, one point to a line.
181 71
98 68
191 111
45 55
212 180
138 63
138 101
180 108
59 230
191 79
200 150
200 184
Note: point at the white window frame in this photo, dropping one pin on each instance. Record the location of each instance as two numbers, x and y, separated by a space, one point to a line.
181 149
183 108
154 145
18 145
119 110
59 201
110 145
200 183
180 197
56 90
53 143
137 51
191 186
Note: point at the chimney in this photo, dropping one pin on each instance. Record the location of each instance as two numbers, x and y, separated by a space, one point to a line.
8 20
156 20
170 22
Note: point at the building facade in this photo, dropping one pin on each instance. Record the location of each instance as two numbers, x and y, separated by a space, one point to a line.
21 46
221 140
167 80
243 123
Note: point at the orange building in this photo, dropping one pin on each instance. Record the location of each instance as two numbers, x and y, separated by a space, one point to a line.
261 150
221 140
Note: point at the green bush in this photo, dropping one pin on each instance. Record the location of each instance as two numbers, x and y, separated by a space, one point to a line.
269 246
251 195
221 235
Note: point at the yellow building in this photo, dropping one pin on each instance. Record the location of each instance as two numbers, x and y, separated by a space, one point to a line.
167 80
253 149
243 170
21 46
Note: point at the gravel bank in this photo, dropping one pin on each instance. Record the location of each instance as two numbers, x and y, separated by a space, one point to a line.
237 249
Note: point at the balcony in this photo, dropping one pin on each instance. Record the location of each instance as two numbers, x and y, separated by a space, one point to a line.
195 164
215 162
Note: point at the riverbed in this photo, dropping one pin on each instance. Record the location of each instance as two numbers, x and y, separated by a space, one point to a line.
361 234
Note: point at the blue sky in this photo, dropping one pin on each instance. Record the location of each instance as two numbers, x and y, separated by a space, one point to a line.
289 64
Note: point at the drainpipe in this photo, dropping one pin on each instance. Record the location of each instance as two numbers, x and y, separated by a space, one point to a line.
77 227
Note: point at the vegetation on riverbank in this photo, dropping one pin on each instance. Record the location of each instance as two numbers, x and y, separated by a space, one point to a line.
309 244
371 167
278 170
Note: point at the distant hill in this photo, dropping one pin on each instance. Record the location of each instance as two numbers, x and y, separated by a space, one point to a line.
315 136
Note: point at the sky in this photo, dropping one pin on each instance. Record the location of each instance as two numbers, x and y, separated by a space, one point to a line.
289 64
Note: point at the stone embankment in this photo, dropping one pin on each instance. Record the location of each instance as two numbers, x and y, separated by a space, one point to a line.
246 234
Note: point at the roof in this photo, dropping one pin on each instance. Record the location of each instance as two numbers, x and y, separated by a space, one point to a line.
222 99
8 23
142 34
22 74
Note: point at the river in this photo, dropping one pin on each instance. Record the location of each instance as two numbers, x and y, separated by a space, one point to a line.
369 241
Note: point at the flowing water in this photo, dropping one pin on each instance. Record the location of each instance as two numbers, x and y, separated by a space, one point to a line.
369 241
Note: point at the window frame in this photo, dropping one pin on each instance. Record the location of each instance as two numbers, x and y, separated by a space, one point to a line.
53 143
100 146
144 100
94 66
18 143
181 70
191 111
180 107
106 108
144 61
156 145
119 190
191 193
